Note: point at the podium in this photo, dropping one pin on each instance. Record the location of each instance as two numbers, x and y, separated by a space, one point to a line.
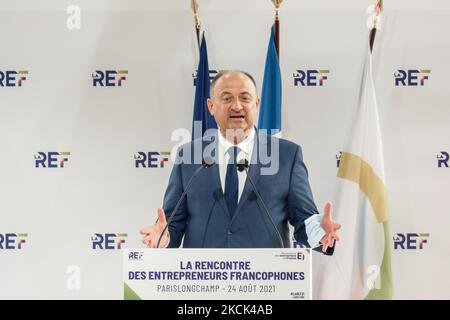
217 274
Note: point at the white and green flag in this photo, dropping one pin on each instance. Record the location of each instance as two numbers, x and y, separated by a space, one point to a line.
361 265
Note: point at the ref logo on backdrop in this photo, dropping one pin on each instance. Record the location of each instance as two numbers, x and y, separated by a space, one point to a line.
338 158
109 78
108 241
443 158
410 241
12 78
12 241
411 77
310 77
212 74
151 159
51 159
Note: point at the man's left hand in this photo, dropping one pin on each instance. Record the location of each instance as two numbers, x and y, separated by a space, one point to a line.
331 228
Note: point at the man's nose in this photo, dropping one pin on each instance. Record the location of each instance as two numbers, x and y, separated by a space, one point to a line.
236 106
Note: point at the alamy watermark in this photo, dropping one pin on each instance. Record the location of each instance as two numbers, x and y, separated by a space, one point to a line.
266 150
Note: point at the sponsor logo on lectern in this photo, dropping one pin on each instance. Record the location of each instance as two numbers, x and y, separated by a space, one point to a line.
310 77
136 255
291 255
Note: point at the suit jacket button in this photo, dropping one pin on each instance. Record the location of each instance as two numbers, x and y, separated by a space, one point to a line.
230 232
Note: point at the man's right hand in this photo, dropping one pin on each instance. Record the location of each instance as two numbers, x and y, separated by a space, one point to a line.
152 233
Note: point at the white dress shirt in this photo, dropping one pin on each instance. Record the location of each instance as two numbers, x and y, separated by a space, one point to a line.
223 156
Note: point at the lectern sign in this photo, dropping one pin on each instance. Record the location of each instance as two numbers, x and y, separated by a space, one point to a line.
208 274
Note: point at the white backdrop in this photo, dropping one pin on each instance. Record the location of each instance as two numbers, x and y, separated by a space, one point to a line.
99 190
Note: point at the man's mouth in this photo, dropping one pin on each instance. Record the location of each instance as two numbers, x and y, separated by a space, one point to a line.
237 117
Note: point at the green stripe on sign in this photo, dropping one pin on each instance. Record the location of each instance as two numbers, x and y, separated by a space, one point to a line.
324 71
424 234
425 71
64 153
165 153
129 294
22 234
122 234
123 71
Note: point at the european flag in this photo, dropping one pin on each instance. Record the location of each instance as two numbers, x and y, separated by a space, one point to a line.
270 109
201 112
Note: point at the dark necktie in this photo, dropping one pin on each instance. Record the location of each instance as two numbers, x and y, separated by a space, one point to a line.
231 181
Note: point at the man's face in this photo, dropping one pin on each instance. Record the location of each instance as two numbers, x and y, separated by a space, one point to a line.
234 103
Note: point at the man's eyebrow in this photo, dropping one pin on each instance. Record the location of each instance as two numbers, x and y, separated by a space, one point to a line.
241 93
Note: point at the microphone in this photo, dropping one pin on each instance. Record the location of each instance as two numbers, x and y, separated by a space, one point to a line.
207 162
243 166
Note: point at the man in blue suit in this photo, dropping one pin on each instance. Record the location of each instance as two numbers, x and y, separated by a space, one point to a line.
220 209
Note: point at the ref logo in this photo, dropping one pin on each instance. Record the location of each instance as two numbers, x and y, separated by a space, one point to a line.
310 78
12 78
108 241
109 78
296 244
338 158
411 78
135 255
12 241
212 74
51 159
410 241
151 159
443 159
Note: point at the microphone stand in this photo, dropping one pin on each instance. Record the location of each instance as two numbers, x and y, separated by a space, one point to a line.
207 163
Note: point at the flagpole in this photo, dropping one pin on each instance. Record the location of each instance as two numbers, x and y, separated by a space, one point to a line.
277 4
194 7
373 31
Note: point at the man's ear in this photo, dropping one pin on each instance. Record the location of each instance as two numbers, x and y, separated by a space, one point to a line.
210 105
258 101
